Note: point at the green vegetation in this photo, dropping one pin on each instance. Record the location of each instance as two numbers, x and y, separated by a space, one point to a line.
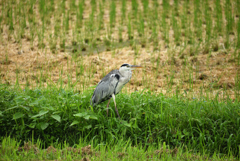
121 150
56 115
184 104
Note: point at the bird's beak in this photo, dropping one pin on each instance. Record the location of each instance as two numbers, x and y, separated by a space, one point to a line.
136 66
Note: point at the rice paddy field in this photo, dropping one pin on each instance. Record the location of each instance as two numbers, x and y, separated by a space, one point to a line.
182 105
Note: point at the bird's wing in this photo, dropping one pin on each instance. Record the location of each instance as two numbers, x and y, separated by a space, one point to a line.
109 74
105 88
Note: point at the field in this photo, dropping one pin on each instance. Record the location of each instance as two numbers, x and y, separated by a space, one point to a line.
183 104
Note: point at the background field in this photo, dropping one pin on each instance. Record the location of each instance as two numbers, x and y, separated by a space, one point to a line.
52 53
190 46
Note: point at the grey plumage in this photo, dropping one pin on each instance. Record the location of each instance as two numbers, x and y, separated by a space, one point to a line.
105 88
112 84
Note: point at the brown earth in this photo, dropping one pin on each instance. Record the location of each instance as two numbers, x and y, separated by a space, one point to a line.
168 68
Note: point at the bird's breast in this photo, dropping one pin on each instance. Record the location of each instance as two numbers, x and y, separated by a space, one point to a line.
121 83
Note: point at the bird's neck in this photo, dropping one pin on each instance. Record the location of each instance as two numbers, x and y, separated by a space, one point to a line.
125 73
124 78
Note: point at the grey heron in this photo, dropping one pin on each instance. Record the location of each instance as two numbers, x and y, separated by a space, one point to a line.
112 84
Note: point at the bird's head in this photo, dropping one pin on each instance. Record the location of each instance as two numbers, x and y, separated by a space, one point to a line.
129 67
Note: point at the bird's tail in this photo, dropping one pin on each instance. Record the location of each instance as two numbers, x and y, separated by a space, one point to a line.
92 101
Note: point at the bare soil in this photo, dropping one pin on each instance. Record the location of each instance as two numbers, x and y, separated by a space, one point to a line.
215 71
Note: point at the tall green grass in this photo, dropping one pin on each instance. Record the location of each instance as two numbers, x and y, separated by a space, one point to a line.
147 119
121 150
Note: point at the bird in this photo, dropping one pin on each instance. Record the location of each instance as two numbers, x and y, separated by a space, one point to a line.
111 85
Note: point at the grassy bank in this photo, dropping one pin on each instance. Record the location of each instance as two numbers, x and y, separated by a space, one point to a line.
55 115
10 150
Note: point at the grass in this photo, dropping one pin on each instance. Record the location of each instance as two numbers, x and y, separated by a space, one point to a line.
122 150
147 119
